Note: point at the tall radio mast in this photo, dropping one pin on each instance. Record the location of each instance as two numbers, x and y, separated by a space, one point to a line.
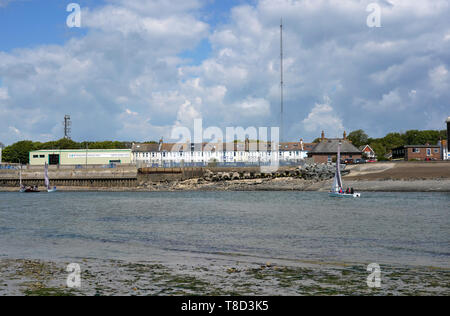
282 80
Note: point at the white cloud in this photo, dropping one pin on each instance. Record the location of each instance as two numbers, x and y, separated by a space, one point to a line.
126 79
253 107
440 79
323 117
4 93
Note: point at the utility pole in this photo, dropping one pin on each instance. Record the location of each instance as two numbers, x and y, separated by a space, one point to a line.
67 127
282 81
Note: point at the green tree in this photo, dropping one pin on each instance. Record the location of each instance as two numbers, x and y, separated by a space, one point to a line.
379 149
358 138
18 152
63 143
393 140
416 137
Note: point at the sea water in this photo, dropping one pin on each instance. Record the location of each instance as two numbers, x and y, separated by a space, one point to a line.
397 228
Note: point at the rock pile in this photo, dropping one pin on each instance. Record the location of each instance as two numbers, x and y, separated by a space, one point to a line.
233 175
320 172
316 172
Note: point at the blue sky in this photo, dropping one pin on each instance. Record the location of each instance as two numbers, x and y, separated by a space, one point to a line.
29 23
138 68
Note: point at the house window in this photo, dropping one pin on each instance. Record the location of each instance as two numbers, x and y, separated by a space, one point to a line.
330 159
416 150
428 152
35 156
436 151
41 156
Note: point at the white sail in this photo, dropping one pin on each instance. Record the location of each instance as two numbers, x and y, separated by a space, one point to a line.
337 183
47 181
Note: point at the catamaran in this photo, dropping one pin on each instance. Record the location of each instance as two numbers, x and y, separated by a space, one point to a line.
337 190
47 181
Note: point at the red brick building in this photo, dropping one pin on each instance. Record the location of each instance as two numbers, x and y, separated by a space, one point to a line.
417 152
326 150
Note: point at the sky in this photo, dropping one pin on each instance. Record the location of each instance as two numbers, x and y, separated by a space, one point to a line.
136 69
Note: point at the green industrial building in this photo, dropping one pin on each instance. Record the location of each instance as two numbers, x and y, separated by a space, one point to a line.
80 157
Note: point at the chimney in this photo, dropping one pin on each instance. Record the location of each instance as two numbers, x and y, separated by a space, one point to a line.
323 136
160 144
345 135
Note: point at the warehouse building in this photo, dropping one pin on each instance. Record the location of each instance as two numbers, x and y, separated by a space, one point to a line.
72 157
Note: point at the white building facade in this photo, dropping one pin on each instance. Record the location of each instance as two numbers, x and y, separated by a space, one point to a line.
163 154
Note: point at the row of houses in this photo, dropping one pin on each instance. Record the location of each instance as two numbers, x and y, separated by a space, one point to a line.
239 152
171 154
251 152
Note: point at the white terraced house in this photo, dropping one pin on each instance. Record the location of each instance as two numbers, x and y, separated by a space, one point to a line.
202 154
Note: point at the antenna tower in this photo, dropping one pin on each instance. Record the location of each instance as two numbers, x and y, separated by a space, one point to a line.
282 81
67 127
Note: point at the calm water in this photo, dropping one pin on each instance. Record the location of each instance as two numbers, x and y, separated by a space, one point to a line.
404 228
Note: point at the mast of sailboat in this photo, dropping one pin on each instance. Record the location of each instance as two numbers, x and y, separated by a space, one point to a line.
20 173
338 166
47 182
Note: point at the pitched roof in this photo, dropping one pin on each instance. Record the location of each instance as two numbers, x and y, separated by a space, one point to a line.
361 148
330 146
145 148
237 146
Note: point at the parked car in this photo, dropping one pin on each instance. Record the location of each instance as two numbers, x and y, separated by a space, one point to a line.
371 160
348 161
360 161
430 159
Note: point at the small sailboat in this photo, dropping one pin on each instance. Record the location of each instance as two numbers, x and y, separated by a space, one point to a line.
337 189
47 181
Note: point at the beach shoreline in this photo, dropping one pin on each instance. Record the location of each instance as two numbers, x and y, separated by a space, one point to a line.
373 177
278 184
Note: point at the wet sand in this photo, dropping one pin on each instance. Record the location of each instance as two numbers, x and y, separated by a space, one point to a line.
215 276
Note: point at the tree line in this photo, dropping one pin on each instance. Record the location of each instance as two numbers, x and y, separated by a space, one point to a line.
384 145
19 152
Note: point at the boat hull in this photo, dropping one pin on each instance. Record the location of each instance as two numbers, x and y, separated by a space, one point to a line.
344 195
31 191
